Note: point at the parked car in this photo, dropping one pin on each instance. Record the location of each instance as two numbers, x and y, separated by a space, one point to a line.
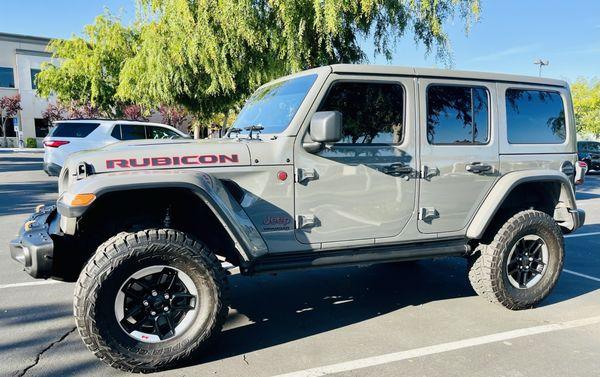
69 136
589 152
343 165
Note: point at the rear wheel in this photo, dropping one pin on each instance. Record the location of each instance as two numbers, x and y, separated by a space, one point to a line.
521 266
148 300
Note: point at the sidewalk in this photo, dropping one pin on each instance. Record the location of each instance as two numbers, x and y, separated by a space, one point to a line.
21 150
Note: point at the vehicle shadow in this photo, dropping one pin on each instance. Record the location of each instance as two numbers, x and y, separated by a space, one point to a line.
25 315
17 164
16 198
297 305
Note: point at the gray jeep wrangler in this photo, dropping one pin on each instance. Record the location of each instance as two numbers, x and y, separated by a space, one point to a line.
336 166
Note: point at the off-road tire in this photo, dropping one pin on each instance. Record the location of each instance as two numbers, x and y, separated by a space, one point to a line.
487 268
125 254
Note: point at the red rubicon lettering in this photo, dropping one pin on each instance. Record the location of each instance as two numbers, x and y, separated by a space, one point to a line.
161 161
134 163
189 160
111 164
171 161
208 159
232 158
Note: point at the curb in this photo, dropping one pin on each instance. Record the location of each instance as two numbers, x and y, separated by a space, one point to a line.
21 150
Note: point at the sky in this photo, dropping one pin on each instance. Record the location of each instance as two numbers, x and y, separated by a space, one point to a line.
508 37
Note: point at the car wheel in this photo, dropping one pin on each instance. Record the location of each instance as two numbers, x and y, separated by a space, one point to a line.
147 300
521 266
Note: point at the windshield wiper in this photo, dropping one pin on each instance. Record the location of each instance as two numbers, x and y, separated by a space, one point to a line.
234 130
254 128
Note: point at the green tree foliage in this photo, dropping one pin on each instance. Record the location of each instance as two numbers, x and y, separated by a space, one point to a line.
86 69
586 102
207 54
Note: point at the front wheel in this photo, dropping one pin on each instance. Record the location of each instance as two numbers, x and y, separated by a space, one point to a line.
521 266
148 300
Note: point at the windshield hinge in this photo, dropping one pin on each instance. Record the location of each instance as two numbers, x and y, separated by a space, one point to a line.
305 175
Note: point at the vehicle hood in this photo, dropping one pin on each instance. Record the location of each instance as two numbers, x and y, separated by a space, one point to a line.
162 154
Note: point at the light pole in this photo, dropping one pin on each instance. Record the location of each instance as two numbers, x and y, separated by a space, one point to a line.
541 63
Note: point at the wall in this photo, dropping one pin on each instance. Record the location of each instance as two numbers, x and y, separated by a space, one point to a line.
22 53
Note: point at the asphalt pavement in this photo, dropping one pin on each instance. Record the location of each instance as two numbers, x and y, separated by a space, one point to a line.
417 319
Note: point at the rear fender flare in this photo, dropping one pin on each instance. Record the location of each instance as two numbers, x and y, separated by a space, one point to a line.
247 239
503 188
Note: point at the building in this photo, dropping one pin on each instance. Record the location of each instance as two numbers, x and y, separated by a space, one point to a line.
21 57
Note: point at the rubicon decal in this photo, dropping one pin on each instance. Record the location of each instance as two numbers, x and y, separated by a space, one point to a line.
204 159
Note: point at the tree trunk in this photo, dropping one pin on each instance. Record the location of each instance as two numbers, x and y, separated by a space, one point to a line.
5 143
224 126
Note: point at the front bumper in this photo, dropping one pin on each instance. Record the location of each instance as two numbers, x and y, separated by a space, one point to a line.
34 247
578 217
51 169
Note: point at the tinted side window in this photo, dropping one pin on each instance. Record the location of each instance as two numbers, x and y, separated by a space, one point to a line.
457 115
372 113
34 73
535 116
161 133
7 78
73 129
116 132
133 132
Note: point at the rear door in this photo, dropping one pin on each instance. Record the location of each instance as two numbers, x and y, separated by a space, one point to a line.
69 137
459 151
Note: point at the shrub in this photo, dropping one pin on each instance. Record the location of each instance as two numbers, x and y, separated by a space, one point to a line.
31 142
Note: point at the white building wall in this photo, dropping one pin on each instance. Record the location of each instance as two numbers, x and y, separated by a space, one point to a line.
23 53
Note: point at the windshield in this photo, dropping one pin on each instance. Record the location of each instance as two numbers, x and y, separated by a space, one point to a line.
589 147
274 106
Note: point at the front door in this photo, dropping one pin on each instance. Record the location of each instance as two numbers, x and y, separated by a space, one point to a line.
459 151
362 187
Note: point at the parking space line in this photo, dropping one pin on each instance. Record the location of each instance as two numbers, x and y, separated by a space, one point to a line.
581 275
582 235
29 283
440 348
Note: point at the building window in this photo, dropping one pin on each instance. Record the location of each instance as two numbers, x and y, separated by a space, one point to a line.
34 73
7 78
41 127
535 117
457 114
10 128
372 113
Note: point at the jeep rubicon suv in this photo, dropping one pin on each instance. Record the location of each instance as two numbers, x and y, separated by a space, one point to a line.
335 166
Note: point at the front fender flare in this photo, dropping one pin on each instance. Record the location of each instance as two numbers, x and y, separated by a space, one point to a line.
503 188
247 239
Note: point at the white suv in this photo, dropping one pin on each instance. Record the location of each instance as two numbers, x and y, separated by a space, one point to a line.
69 136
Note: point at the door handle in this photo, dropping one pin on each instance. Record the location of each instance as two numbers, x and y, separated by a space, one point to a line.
397 170
478 168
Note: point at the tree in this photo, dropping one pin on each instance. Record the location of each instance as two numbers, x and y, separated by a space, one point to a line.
85 70
135 112
54 112
208 54
9 108
175 116
586 103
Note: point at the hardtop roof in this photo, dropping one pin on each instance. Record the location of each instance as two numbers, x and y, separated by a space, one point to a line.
107 120
443 73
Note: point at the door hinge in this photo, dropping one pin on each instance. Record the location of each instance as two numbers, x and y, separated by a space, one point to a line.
306 221
428 213
305 175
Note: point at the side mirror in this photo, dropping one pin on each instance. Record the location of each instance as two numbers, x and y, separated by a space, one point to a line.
326 127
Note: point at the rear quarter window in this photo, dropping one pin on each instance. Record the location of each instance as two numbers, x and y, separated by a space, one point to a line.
535 117
72 129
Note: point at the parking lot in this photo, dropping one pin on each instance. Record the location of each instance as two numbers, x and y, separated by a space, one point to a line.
387 320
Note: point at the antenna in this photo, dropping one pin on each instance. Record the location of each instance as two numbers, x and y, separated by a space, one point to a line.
541 63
